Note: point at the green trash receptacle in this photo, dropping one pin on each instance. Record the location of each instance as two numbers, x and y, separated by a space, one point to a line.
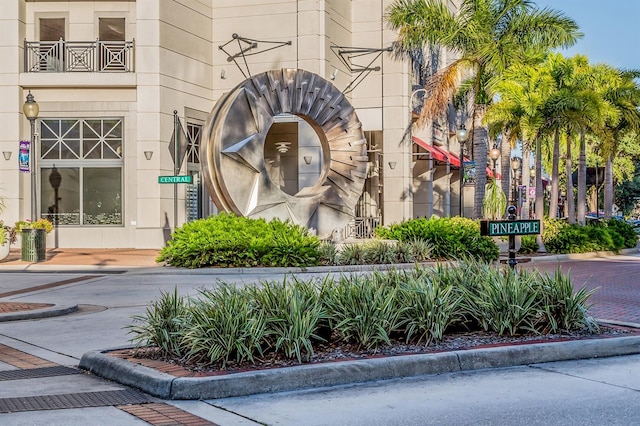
34 245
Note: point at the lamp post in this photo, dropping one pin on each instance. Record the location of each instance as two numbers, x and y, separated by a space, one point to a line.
494 154
516 162
31 110
462 136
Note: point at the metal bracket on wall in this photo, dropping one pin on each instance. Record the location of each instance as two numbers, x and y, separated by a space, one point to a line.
348 54
244 46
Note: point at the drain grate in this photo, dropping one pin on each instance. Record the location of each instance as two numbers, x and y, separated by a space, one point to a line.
36 373
74 400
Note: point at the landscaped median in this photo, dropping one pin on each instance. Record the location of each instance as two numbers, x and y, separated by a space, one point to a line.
167 386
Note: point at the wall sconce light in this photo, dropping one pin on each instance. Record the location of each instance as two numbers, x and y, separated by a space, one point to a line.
392 164
307 159
283 146
223 74
7 155
334 74
148 155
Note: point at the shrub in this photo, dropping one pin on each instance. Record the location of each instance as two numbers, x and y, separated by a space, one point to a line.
625 230
450 238
226 240
613 235
528 244
362 312
431 306
293 314
228 324
162 324
564 309
225 325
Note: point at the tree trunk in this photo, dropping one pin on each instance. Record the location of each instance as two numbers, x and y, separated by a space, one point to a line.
526 177
571 209
480 138
539 195
553 202
505 165
582 180
608 188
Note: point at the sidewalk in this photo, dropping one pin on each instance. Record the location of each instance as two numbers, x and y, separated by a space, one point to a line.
94 258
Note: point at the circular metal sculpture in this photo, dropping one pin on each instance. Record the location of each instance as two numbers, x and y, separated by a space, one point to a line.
232 151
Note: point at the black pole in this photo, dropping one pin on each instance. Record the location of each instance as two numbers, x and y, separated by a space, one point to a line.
176 168
511 211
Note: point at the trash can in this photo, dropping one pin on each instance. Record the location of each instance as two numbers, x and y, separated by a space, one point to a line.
34 245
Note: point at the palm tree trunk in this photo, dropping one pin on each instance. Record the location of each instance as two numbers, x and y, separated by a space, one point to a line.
568 167
480 138
608 188
539 195
505 166
553 202
526 177
582 179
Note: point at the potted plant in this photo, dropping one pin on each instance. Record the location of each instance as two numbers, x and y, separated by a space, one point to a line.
34 239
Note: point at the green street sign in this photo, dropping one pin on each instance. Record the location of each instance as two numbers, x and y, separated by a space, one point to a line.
174 179
496 228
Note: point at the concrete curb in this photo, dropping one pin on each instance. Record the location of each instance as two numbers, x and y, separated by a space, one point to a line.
340 373
52 311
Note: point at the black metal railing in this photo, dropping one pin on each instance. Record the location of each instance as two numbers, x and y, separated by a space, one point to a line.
361 227
78 56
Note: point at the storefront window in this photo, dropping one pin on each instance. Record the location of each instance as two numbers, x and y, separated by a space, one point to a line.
81 171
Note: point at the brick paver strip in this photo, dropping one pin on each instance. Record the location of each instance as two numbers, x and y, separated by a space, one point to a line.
6 307
164 414
21 359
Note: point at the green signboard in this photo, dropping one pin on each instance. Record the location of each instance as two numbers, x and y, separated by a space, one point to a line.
174 179
496 228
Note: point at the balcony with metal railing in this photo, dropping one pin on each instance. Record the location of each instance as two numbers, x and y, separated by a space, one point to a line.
79 56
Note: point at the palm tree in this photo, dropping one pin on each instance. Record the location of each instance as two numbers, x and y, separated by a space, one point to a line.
488 36
573 107
624 95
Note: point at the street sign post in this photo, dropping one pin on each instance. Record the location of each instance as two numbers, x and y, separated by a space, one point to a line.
175 179
510 228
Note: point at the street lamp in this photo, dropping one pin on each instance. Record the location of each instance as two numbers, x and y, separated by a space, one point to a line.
462 136
31 110
494 154
516 162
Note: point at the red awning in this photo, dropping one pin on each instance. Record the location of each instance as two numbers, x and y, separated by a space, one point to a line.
440 154
436 152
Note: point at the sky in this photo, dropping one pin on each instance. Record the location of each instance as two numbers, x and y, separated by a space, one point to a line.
610 27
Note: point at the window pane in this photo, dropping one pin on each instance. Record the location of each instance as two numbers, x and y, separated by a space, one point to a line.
91 149
49 129
111 29
48 150
112 150
70 129
113 129
51 29
92 128
60 195
70 149
102 203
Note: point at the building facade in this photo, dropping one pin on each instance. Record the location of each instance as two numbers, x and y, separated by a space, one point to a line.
108 75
